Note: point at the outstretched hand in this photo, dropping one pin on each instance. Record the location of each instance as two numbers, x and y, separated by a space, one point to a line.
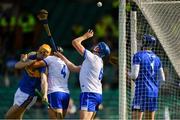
24 57
89 34
58 54
42 15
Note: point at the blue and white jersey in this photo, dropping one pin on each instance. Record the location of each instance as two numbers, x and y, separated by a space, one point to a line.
147 83
91 73
58 74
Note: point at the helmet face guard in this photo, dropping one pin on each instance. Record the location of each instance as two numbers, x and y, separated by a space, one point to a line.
149 41
102 49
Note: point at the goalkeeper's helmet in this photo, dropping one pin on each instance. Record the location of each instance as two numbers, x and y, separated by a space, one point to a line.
45 49
104 49
149 41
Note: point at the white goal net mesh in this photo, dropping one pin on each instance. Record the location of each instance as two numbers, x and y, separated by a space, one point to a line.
160 18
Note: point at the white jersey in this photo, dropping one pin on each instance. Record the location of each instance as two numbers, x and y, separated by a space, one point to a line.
91 73
58 74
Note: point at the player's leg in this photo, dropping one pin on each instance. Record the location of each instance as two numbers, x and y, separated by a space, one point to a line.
22 114
64 112
22 101
15 112
55 113
137 113
152 104
149 115
89 103
52 114
85 115
93 116
59 102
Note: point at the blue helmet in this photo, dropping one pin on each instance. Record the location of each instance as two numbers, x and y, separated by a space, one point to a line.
103 49
149 41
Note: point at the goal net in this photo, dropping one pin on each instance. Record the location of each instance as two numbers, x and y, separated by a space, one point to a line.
160 18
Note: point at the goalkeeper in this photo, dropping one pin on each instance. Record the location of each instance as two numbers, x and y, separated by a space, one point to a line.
147 72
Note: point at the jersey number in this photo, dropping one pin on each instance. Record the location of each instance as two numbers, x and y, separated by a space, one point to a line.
63 71
101 74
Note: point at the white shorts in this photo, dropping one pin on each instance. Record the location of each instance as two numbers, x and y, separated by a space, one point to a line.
23 99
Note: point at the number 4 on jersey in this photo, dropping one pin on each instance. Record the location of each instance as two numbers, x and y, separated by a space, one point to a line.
63 71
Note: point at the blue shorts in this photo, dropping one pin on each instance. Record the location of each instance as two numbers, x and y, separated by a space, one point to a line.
59 100
90 101
145 104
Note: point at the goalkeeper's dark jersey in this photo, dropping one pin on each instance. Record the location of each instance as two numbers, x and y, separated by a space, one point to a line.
147 83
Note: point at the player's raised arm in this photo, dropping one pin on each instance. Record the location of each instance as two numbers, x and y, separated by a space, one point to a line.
77 42
72 67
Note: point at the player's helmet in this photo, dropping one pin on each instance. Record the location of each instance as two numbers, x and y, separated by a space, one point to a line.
149 41
103 49
46 48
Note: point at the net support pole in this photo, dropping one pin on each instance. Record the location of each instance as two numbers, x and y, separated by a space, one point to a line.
122 60
133 19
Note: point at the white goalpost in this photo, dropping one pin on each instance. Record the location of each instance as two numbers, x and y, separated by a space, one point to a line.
133 19
122 60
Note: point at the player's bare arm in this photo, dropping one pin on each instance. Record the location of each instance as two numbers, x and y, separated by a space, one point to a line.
72 67
43 17
77 42
24 62
44 86
38 64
